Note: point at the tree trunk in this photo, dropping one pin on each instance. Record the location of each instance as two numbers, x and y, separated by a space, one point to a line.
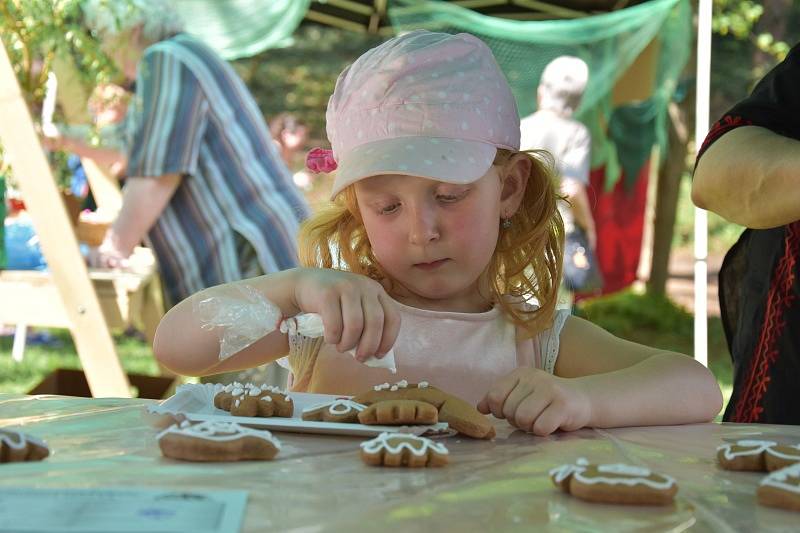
669 181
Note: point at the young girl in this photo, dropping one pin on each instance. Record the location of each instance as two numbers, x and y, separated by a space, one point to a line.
440 232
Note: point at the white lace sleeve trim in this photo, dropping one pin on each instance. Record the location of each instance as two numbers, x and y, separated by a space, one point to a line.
550 340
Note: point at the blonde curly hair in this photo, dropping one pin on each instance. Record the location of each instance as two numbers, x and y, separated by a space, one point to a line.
526 263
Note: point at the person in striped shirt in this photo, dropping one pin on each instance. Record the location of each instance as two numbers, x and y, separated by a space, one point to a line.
206 186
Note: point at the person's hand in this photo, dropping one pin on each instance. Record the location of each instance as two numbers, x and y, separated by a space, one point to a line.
538 402
107 256
356 311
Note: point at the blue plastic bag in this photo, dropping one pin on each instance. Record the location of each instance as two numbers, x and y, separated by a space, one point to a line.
22 248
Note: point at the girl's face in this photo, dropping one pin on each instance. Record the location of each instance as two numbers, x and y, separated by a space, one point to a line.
434 239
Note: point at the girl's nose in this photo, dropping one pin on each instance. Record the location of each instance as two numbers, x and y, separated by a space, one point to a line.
424 226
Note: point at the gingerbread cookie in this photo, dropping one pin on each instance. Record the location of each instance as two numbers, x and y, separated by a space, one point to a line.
252 400
399 412
16 446
781 456
217 441
401 449
746 455
781 488
614 483
459 415
341 410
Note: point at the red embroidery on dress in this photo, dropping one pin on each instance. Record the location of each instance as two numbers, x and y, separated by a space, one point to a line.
779 298
723 125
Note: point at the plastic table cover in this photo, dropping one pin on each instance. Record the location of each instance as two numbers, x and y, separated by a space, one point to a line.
318 483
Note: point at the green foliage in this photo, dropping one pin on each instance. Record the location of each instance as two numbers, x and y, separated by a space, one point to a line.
738 18
35 31
300 79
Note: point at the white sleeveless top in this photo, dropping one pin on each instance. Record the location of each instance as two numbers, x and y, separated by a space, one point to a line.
461 353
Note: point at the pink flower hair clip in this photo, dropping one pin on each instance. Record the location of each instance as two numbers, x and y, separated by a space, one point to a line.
320 160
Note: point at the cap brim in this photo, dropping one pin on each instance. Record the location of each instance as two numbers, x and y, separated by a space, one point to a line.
438 158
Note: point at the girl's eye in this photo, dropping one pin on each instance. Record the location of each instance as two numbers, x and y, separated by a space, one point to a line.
450 198
389 209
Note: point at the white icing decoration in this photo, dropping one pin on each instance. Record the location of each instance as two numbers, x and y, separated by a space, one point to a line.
393 388
237 391
422 385
625 470
407 442
637 475
402 384
789 456
758 447
780 479
266 398
381 387
562 472
218 431
338 407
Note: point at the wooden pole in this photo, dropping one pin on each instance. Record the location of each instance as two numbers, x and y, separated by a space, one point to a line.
60 247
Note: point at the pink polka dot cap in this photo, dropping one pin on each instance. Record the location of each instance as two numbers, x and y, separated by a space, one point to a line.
424 104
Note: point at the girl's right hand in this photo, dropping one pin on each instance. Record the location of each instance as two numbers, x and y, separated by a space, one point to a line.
356 311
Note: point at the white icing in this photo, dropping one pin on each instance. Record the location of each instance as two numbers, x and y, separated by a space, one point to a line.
780 479
423 385
562 472
790 456
393 388
338 407
754 447
418 446
266 398
238 391
625 470
401 384
636 475
218 431
381 387
255 391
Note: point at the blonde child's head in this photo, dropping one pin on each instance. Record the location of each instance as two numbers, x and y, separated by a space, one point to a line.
432 196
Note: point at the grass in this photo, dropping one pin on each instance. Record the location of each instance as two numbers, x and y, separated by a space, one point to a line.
41 359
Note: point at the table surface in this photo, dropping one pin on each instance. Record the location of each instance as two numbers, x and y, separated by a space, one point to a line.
318 483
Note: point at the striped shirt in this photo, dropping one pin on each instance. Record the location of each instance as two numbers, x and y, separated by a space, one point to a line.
192 115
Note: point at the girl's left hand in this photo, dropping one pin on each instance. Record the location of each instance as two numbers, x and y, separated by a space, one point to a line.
538 402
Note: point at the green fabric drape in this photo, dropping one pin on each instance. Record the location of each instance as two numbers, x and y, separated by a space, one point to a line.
242 28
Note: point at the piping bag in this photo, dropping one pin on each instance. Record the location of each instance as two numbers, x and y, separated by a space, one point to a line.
244 315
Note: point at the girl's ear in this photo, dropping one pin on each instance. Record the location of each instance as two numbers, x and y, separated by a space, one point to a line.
514 182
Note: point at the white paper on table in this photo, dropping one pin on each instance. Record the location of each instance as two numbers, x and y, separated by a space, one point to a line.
310 325
121 510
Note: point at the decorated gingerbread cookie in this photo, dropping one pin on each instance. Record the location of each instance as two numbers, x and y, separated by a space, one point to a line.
400 449
747 455
16 446
781 456
459 415
341 410
217 441
254 400
781 488
614 483
399 412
